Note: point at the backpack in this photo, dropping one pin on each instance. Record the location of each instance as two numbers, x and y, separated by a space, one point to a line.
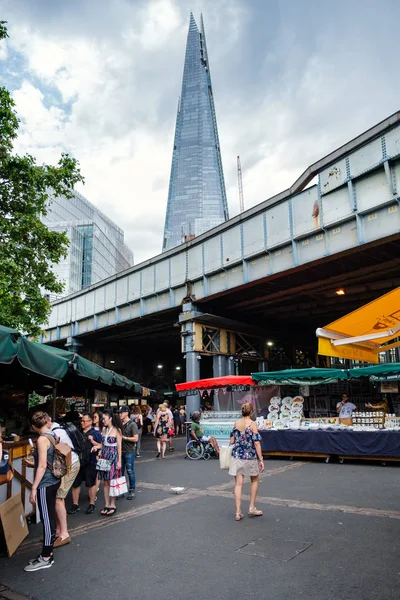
79 441
61 459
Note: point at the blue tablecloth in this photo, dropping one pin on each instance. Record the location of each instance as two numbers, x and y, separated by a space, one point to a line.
345 443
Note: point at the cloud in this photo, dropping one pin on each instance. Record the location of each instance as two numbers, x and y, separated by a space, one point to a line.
101 79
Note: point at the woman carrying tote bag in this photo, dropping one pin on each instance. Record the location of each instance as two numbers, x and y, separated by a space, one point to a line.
247 460
109 463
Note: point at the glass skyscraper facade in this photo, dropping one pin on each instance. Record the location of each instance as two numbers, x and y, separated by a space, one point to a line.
196 197
96 249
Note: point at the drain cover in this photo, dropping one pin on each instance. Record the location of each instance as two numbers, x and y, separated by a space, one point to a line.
275 548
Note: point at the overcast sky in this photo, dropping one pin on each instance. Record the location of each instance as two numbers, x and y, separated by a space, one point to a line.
100 79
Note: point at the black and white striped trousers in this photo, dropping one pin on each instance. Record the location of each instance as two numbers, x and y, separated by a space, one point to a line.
46 501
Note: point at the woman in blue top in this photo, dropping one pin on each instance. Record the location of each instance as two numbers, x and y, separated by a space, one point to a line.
246 459
44 491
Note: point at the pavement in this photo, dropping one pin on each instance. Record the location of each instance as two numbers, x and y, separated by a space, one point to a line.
329 532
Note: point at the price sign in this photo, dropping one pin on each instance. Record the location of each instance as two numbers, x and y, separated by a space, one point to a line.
237 388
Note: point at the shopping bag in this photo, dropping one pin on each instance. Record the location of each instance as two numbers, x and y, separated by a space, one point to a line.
225 457
118 486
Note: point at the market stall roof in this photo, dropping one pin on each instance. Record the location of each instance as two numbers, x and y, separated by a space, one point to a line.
54 363
381 372
312 376
215 382
363 333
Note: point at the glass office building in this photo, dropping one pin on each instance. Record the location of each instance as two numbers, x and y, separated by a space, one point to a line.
196 197
96 250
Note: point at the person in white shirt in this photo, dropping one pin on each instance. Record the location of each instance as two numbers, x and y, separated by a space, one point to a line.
345 408
62 535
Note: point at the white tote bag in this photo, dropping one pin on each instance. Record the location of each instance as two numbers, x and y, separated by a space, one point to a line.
118 486
225 457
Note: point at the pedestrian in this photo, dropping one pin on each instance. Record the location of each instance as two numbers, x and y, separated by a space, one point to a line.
110 457
130 435
44 491
87 472
137 417
62 534
97 422
72 416
161 428
148 422
246 459
171 428
182 414
177 420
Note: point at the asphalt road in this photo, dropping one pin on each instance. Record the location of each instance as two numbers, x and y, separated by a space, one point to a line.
328 532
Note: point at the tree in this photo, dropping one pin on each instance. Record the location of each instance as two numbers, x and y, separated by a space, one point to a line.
27 247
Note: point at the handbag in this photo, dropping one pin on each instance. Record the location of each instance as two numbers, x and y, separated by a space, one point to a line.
6 470
171 432
118 487
103 464
225 457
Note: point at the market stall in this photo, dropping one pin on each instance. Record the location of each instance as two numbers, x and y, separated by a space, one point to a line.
227 394
26 366
370 435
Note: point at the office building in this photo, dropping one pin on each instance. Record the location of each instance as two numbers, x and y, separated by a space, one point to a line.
196 197
96 250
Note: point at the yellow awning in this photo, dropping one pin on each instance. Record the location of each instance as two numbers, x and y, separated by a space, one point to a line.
361 334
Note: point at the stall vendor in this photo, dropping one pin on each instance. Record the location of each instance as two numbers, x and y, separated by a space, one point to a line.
345 408
380 404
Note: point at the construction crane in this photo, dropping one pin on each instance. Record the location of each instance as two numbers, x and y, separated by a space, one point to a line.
240 183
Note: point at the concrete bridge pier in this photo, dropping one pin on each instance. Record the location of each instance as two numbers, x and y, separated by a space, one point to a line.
219 365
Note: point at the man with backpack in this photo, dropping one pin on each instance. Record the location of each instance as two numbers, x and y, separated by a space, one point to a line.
87 472
68 434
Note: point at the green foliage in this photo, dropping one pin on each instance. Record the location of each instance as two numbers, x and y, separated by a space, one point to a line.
34 399
27 247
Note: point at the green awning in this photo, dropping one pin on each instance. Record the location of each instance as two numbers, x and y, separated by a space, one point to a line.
312 376
30 355
54 363
8 345
381 372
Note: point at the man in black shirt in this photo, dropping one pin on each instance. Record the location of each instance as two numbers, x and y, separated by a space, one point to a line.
130 436
87 472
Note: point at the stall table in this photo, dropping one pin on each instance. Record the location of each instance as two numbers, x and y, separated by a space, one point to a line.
23 475
383 445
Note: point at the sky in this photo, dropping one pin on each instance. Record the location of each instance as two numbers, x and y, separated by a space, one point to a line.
100 79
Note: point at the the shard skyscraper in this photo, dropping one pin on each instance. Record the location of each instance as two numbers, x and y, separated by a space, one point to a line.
196 197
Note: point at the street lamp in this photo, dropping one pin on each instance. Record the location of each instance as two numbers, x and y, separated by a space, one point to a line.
159 366
177 368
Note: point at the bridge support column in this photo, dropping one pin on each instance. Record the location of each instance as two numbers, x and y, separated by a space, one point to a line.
73 345
193 358
263 366
219 365
230 365
192 374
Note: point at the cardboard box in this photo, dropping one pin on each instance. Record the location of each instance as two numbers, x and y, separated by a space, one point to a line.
14 523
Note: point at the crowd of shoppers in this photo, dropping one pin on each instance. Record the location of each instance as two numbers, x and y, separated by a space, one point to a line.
109 444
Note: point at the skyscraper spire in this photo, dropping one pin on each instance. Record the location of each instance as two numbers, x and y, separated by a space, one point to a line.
196 197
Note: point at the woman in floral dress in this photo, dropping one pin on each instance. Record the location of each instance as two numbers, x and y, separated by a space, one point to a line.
246 460
161 427
111 452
